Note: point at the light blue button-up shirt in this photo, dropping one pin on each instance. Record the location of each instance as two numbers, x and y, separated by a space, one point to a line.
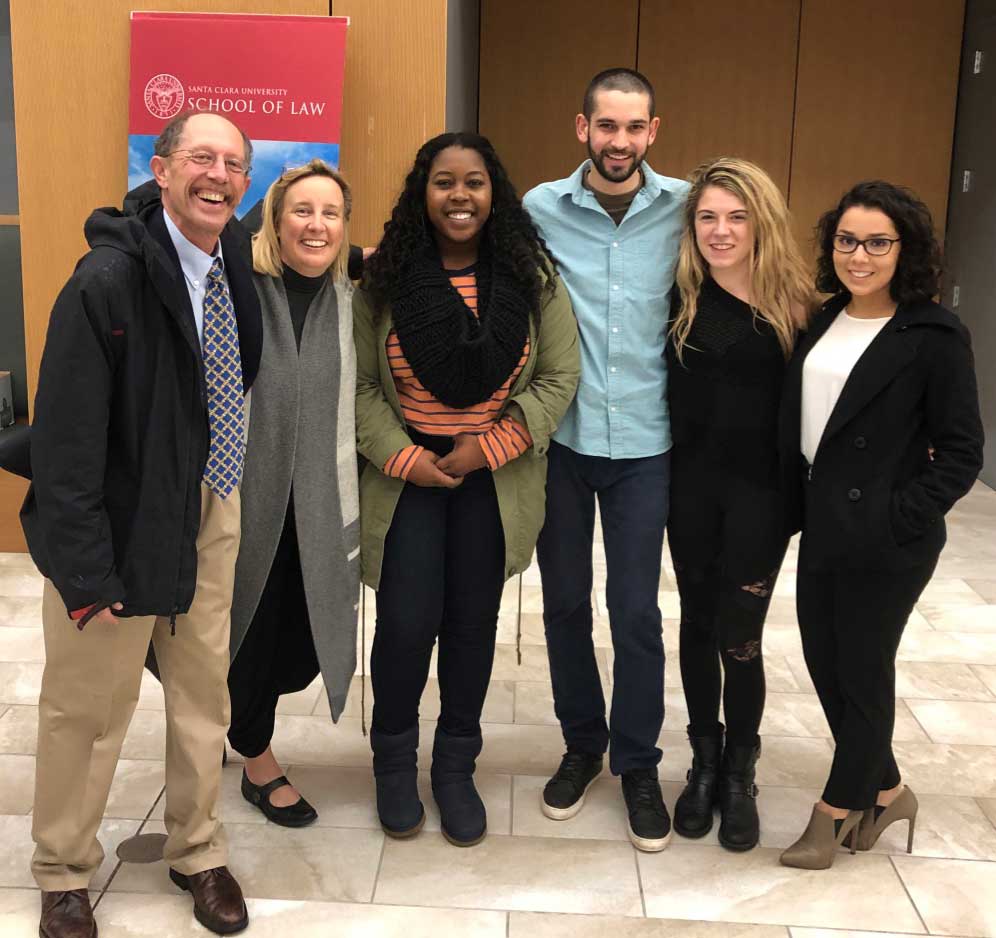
194 264
618 279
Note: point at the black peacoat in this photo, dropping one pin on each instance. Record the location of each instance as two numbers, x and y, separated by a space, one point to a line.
903 444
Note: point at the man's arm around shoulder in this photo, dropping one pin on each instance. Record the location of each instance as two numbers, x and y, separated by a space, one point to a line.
540 203
534 200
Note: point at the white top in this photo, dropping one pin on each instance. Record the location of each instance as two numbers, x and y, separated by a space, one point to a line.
826 371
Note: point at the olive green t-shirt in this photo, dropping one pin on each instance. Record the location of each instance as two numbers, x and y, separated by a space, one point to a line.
616 206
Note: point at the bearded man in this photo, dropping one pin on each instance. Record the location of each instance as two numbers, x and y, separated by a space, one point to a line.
613 227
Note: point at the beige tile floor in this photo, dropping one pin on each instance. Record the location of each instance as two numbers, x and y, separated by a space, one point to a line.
534 878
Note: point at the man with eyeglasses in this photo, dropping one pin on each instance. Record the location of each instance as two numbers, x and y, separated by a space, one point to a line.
133 514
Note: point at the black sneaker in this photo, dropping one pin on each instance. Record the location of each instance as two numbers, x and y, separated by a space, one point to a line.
564 794
649 822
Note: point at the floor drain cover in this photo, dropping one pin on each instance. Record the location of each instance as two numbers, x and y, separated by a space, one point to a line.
142 848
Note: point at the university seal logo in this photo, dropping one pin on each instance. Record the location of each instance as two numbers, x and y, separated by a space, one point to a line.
164 96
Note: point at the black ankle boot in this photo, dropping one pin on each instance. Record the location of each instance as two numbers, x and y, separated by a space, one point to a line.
395 765
740 828
461 812
693 809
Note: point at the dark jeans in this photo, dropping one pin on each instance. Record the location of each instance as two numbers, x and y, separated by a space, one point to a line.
851 624
277 656
443 573
633 501
727 543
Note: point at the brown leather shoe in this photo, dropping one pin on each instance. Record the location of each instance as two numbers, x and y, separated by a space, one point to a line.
67 914
218 902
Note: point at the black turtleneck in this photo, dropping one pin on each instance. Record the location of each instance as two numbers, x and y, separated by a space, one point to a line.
301 291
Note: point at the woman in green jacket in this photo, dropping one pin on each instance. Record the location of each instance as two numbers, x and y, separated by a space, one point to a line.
467 357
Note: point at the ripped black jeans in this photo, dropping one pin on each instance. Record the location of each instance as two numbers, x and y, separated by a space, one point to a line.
727 544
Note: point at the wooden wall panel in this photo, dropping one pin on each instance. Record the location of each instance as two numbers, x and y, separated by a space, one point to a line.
395 100
71 107
536 60
724 75
12 490
71 113
876 98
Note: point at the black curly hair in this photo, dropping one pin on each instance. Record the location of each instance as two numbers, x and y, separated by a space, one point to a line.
509 235
918 271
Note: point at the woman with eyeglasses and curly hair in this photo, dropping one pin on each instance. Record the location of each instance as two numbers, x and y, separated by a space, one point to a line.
881 433
467 358
742 294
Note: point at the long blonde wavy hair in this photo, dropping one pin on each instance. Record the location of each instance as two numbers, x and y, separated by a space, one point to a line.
780 283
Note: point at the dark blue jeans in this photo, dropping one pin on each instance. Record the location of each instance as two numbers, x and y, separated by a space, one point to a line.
633 502
442 578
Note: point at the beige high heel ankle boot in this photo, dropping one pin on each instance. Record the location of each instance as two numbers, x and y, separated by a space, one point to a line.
903 808
816 848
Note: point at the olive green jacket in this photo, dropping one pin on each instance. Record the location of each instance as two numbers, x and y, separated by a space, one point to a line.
539 398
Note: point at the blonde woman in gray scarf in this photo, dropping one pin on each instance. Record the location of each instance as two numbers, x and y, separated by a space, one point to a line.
297 578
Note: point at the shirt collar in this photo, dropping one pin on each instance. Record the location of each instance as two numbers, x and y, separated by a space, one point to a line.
653 186
194 263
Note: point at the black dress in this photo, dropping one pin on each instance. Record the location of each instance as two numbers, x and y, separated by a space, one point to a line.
725 528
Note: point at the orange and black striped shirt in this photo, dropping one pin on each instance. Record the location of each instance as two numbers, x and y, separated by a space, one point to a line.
502 438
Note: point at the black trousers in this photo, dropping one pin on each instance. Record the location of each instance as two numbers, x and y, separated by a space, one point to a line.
727 544
277 656
851 624
442 577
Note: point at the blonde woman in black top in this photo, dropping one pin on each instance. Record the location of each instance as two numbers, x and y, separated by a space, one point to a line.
297 577
743 292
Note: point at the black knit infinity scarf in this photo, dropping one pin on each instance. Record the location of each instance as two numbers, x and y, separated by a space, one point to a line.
461 358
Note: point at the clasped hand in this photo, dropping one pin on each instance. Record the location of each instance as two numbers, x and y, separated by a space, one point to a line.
448 471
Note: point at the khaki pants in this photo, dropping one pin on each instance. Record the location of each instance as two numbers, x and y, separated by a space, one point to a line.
89 692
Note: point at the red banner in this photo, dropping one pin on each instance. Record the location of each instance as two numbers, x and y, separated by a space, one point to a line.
279 78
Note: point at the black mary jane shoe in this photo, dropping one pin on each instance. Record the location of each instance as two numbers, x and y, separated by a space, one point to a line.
299 814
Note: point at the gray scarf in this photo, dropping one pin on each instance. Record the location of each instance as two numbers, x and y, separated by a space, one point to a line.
302 434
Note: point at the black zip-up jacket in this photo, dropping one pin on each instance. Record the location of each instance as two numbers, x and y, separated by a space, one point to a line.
120 433
903 444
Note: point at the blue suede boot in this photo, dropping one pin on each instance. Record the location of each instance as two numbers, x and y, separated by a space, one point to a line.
396 775
462 816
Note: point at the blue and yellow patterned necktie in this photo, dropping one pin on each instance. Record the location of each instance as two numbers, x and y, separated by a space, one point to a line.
223 374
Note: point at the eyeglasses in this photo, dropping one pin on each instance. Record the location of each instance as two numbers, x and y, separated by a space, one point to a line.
206 158
877 247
